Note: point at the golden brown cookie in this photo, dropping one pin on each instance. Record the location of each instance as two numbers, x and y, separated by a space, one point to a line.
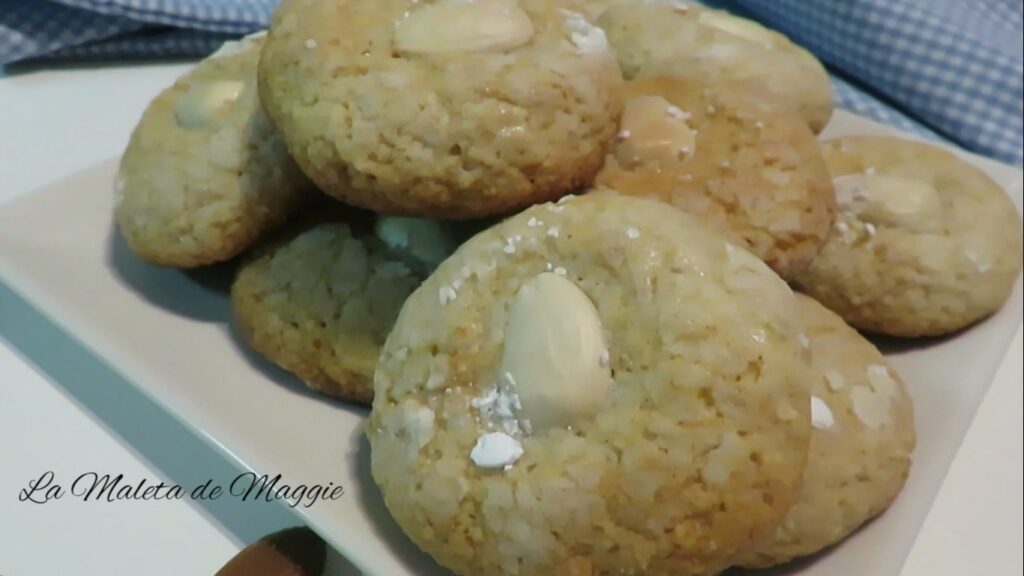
445 109
321 301
205 173
731 155
861 446
599 386
676 39
924 243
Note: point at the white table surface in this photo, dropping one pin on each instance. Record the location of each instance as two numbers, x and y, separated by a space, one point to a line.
58 412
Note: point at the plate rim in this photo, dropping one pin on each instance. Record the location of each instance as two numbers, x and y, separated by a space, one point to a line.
62 316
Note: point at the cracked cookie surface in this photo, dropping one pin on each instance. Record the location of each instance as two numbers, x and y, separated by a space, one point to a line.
924 243
732 155
320 300
861 446
205 173
682 443
675 39
443 109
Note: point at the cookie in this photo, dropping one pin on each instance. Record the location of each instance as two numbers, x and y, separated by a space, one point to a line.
320 302
731 155
924 243
861 446
205 173
676 39
598 386
445 109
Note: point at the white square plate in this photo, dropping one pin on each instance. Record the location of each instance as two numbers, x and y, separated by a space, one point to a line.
169 333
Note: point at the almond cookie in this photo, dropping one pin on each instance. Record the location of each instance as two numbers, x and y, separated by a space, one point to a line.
861 445
205 173
924 244
598 386
446 109
673 38
731 155
320 302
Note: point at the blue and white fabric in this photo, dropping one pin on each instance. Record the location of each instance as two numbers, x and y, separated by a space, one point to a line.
946 69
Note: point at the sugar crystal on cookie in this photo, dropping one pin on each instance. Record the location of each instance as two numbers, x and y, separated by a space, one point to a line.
446 294
821 414
496 450
872 403
589 39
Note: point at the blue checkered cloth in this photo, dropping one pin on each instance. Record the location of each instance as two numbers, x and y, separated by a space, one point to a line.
944 69
954 66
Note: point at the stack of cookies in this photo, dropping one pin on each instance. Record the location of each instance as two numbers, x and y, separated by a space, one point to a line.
552 242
